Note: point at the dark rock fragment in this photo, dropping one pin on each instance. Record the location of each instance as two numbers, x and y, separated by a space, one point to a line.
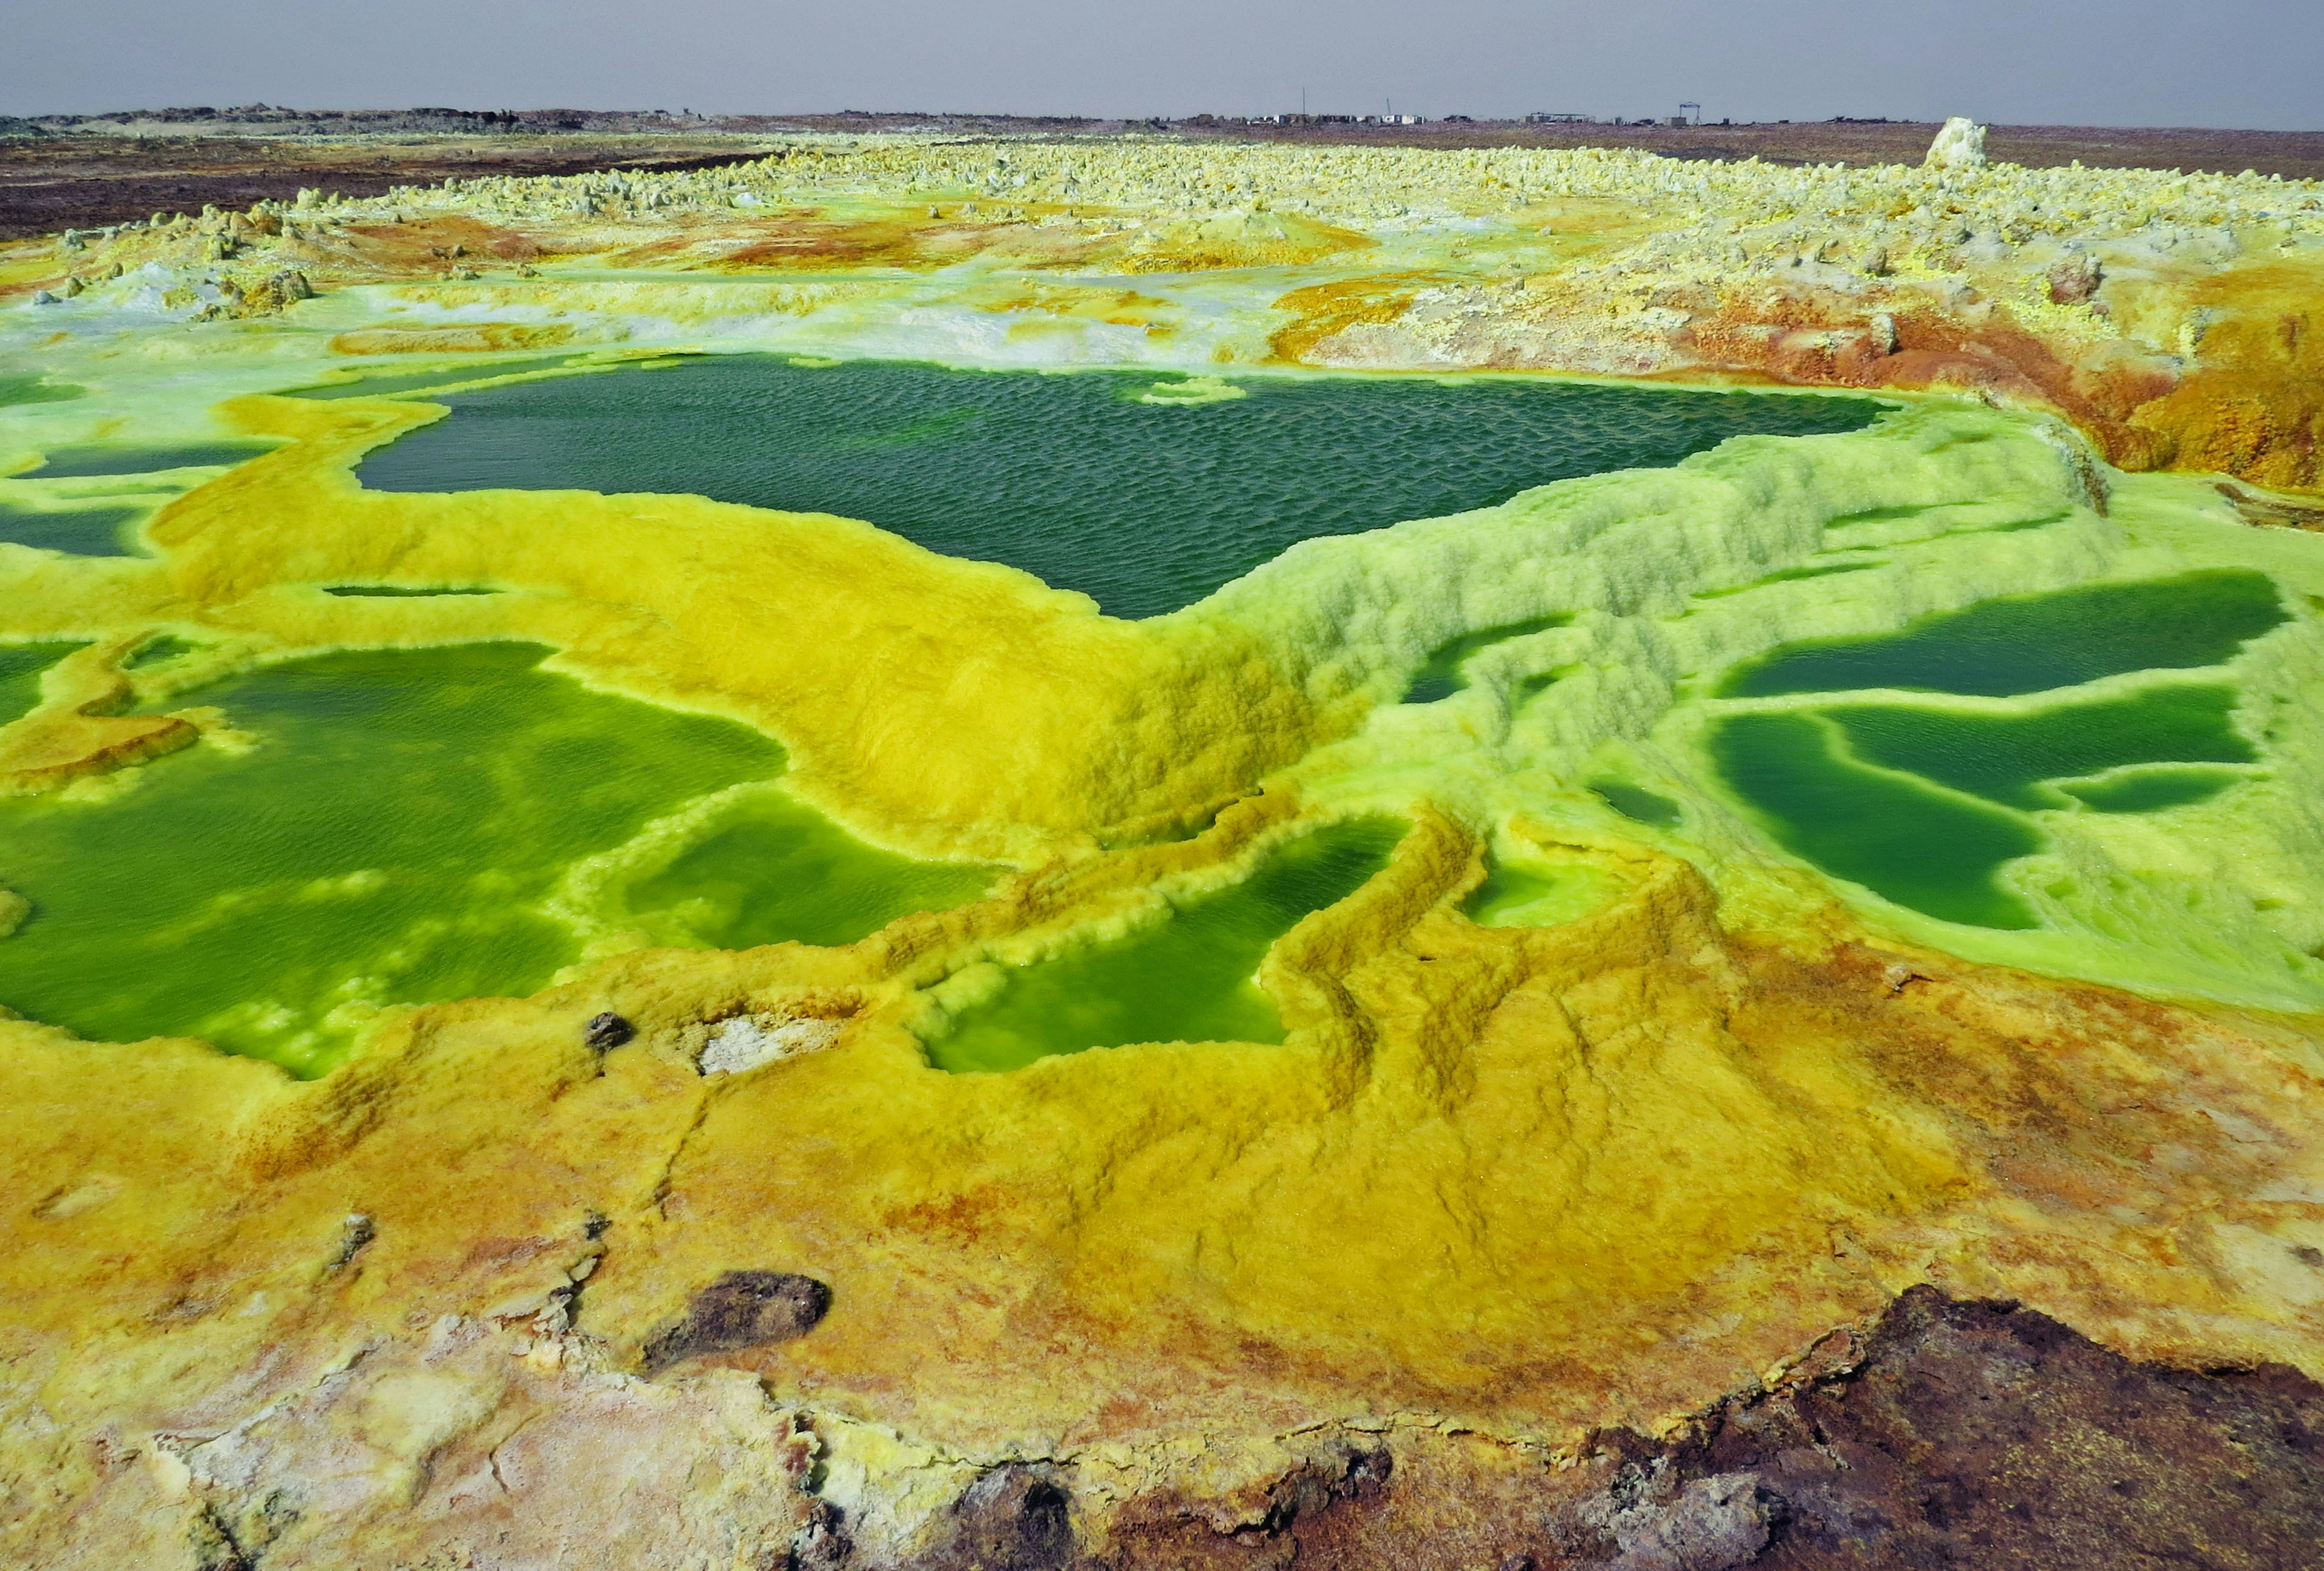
822 1544
741 1310
2271 512
355 1235
1974 1434
1014 1518
607 1031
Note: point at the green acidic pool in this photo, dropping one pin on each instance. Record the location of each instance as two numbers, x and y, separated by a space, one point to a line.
1187 978
1526 894
1925 849
124 459
1145 506
2028 643
765 868
1805 772
2150 790
21 665
1637 804
390 838
81 531
15 390
1442 676
2004 758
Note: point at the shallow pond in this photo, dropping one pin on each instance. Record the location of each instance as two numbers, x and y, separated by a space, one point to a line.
391 835
1187 978
1924 804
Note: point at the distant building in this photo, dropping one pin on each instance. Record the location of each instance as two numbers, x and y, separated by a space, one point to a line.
1556 117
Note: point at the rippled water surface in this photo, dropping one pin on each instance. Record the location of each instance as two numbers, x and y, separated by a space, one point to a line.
394 832
1147 507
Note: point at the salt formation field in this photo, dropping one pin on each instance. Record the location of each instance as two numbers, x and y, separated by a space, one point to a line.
1126 821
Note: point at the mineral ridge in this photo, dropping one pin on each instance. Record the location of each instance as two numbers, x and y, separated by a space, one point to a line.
1610 1119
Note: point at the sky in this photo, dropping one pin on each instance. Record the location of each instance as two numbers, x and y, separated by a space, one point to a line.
2241 63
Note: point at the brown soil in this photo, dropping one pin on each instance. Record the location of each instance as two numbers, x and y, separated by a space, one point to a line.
52 183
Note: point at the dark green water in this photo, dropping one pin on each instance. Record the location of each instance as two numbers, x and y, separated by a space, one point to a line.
1932 852
2003 758
1804 774
390 840
1442 676
2148 791
1146 508
81 531
2029 643
15 390
1187 979
125 459
21 665
1637 804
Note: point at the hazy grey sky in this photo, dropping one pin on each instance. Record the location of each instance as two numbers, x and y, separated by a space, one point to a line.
2257 63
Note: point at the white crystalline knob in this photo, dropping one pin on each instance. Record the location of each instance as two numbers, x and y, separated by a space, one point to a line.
1959 145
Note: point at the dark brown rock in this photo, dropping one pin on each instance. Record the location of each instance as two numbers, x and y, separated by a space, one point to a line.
741 1310
607 1031
1962 1436
1976 1434
1014 1518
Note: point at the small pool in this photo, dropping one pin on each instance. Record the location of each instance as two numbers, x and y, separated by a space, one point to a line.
1187 978
1924 804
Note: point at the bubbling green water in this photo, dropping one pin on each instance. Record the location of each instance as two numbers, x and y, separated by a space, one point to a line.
392 838
1147 506
1187 978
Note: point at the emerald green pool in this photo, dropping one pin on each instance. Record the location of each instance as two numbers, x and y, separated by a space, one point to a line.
1145 506
1924 849
81 531
1637 804
1187 978
2005 758
21 665
2029 643
392 837
17 390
